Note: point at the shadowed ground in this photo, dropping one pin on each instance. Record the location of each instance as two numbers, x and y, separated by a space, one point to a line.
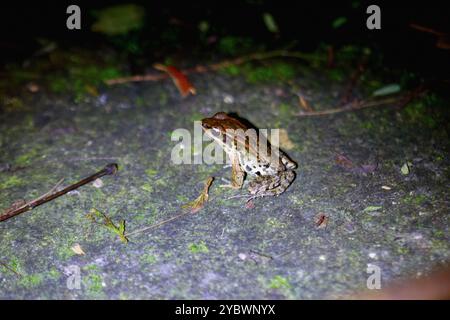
226 250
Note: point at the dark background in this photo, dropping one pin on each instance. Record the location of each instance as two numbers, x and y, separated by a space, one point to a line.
303 24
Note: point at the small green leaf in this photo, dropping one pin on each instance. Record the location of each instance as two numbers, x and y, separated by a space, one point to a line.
203 26
279 282
270 23
338 22
388 89
406 168
198 247
95 215
372 208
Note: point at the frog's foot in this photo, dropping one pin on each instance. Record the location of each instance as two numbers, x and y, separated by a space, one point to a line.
264 186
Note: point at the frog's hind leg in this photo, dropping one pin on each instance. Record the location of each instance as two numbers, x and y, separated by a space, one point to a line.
264 186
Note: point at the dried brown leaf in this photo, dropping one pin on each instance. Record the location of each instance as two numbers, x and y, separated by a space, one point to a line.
199 203
178 78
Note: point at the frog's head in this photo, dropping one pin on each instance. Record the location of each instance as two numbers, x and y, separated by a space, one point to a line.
213 127
223 128
221 122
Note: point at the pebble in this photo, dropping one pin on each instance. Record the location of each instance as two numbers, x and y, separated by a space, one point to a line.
228 99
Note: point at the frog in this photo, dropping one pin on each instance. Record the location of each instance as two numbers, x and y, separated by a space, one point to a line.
272 171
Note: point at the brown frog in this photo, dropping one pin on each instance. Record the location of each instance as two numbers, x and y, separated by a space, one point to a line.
273 170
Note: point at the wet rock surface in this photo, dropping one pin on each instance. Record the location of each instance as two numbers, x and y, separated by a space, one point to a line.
398 222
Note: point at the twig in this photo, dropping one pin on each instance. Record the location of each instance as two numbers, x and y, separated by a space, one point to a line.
427 29
109 169
264 255
10 269
156 225
358 105
217 66
50 191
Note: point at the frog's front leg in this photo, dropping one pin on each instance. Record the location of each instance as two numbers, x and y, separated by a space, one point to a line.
237 174
275 185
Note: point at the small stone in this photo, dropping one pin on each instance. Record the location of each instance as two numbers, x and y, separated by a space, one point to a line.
242 256
228 99
98 183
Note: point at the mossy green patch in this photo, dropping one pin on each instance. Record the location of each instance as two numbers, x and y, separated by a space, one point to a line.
151 172
93 283
415 199
12 181
26 158
163 98
275 223
31 280
278 71
231 45
53 274
147 187
198 247
279 282
232 70
149 258
418 112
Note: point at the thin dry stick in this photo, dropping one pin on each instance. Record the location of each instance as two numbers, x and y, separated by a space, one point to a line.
156 225
55 187
9 268
109 169
427 29
352 107
218 66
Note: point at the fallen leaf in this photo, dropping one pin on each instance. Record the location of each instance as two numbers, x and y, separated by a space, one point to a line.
372 208
285 142
198 203
345 163
270 23
338 22
406 168
250 204
321 220
77 249
178 78
93 91
304 103
388 89
94 215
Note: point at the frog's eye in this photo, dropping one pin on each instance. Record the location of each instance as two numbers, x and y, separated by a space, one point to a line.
215 132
